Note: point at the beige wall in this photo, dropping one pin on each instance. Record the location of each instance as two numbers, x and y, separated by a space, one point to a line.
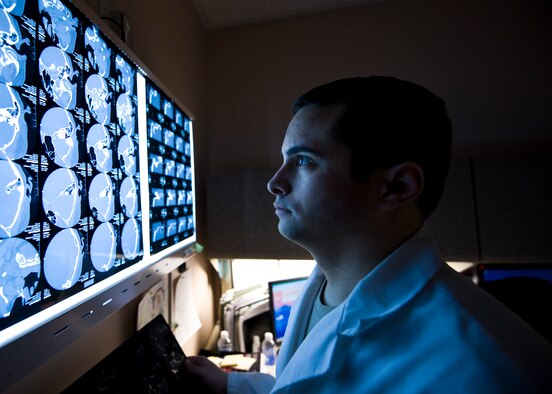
489 59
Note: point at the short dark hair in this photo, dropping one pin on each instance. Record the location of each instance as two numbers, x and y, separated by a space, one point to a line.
387 121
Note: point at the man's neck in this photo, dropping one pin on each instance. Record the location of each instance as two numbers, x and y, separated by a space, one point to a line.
345 267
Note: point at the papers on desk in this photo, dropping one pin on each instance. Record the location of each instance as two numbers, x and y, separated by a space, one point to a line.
237 362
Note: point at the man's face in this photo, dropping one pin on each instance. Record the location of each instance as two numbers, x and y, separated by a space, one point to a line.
317 201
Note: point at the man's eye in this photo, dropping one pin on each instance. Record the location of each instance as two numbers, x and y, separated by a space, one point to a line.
303 160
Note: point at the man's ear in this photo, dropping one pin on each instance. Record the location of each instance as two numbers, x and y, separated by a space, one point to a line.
402 184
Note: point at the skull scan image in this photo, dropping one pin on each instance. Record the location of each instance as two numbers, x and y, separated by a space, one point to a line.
63 259
13 127
12 63
14 7
56 71
62 198
101 197
19 273
59 24
125 113
12 66
98 52
16 190
10 34
98 98
129 197
127 159
103 247
58 133
130 239
98 145
125 75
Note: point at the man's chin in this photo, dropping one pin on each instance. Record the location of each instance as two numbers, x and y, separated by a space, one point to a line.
291 233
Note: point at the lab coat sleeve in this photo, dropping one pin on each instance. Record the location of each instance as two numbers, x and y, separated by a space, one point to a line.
249 383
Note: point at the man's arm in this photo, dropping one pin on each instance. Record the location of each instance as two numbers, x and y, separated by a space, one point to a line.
214 380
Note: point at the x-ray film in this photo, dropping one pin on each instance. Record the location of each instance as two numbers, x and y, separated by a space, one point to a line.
170 171
69 160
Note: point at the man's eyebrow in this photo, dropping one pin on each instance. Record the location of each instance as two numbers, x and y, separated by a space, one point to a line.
300 149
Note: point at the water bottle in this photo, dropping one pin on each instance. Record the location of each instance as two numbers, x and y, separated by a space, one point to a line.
256 347
224 343
268 355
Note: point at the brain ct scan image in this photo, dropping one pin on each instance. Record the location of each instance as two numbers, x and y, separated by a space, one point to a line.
125 74
101 197
13 128
98 98
130 239
19 272
63 259
125 113
56 71
16 188
59 23
12 63
127 158
103 247
61 198
14 7
70 192
98 145
129 197
58 133
9 30
99 54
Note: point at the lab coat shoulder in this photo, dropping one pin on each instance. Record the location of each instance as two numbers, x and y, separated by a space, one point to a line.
409 326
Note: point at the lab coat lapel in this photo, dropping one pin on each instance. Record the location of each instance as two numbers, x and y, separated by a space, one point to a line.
299 319
323 344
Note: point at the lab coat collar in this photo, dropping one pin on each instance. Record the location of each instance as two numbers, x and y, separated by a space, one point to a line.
394 282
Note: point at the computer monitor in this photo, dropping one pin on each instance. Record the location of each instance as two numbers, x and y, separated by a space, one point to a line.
490 272
79 190
525 288
282 294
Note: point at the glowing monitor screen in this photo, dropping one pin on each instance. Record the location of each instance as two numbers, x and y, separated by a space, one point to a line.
70 214
490 272
282 294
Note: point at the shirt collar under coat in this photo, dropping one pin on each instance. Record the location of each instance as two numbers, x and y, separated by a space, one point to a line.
395 281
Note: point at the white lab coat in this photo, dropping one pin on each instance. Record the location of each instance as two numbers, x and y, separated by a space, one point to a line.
413 325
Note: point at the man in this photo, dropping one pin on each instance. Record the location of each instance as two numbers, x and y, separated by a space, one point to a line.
364 164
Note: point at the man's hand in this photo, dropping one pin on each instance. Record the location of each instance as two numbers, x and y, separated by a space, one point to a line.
206 374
